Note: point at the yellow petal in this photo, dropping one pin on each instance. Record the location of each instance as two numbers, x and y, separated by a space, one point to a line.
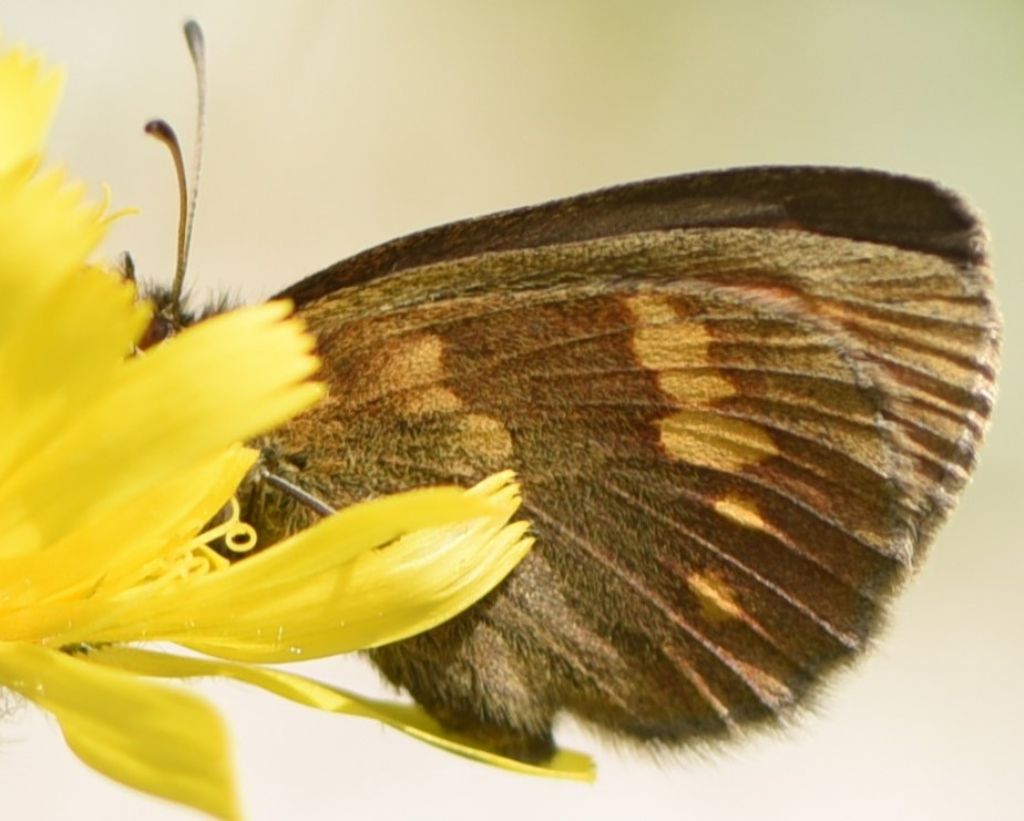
28 97
49 231
156 739
62 595
50 374
159 415
345 584
407 718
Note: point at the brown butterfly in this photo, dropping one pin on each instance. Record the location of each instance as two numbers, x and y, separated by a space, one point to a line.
739 403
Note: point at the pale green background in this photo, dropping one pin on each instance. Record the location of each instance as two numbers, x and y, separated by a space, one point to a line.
335 125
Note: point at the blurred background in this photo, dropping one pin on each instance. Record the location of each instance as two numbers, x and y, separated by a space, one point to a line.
336 125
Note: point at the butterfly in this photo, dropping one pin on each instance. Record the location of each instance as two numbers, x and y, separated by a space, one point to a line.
739 404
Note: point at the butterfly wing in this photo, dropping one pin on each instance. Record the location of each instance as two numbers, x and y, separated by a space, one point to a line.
739 403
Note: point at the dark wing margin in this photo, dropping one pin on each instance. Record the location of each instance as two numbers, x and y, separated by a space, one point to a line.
858 204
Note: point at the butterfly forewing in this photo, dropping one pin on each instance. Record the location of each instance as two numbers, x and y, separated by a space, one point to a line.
738 404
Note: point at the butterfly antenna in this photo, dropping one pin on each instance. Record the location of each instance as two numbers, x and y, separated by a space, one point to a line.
187 195
196 48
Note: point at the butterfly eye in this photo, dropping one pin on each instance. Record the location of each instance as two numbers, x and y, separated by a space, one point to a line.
159 329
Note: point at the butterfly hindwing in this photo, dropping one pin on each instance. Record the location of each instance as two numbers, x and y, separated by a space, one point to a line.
738 404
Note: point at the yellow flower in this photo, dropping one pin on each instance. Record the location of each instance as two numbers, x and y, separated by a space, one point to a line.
110 465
